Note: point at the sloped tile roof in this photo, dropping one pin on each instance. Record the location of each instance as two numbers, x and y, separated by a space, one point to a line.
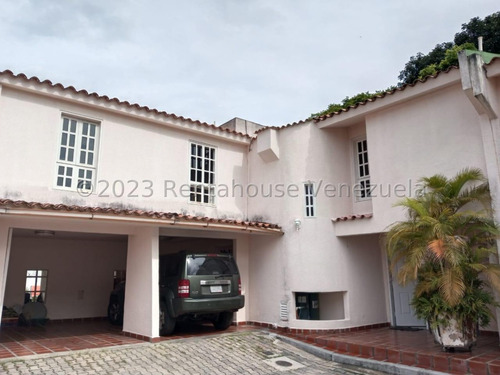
124 103
282 127
157 215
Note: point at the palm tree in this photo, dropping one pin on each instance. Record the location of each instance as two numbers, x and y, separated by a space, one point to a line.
445 246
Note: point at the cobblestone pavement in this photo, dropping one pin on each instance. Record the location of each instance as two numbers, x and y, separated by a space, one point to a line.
253 353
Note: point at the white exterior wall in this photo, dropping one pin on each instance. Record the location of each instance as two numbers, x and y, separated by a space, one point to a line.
129 150
435 133
311 259
133 147
438 133
422 130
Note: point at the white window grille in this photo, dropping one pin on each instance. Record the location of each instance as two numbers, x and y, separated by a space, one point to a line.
310 202
202 174
77 159
362 170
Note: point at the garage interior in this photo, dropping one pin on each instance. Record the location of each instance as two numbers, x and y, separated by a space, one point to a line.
73 273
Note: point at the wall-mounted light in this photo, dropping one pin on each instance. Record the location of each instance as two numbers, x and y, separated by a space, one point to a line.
45 233
298 223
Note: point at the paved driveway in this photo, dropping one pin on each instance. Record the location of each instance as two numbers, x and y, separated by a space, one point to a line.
251 352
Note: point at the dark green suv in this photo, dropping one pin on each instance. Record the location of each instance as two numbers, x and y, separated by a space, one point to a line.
193 286
198 287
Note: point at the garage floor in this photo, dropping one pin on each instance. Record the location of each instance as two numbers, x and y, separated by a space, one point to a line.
21 341
413 348
18 341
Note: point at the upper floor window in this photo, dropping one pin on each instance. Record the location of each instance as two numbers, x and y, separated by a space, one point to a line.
310 199
77 157
202 174
362 170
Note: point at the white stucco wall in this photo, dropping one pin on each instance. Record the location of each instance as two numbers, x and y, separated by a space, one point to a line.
311 259
435 133
438 133
136 156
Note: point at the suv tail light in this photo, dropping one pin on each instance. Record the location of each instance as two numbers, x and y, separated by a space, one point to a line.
183 288
239 286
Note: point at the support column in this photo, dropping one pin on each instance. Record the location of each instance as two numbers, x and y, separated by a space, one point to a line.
490 130
242 256
5 241
483 96
141 315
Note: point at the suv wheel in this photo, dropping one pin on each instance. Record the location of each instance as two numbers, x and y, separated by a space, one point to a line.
115 315
167 324
223 321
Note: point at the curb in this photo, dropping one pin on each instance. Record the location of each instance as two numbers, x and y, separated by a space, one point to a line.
371 364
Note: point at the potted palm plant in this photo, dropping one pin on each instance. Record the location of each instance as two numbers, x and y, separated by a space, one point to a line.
447 246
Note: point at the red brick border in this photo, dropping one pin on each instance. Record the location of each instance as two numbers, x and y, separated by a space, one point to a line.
313 331
141 337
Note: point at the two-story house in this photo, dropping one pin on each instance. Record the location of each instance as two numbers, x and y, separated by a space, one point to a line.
94 189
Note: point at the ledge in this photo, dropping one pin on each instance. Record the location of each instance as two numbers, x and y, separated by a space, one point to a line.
352 217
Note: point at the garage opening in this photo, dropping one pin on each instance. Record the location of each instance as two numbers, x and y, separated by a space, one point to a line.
71 274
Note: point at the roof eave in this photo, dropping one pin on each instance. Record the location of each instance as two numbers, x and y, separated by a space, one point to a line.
81 97
166 220
357 114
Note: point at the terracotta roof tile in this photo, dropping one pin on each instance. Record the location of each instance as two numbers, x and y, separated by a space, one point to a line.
158 215
352 217
117 101
283 126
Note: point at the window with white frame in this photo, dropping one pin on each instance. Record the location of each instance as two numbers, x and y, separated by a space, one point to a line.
310 199
202 174
77 156
362 169
36 286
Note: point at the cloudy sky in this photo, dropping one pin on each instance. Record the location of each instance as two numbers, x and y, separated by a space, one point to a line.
269 61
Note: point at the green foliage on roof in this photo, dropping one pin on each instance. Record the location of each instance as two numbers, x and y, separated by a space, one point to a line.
351 101
442 57
450 59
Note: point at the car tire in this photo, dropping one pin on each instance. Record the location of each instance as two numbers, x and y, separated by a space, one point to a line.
223 321
115 313
167 324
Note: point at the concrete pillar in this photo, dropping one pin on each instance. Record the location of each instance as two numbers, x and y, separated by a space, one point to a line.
5 240
483 96
490 130
141 315
241 254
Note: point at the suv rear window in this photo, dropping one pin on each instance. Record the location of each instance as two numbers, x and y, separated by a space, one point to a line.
210 265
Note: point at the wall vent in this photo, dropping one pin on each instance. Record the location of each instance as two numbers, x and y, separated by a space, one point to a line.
284 311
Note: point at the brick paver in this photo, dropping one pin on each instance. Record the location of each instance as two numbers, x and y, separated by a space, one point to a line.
253 353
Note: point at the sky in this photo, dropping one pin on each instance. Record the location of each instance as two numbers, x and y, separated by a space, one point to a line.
273 62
